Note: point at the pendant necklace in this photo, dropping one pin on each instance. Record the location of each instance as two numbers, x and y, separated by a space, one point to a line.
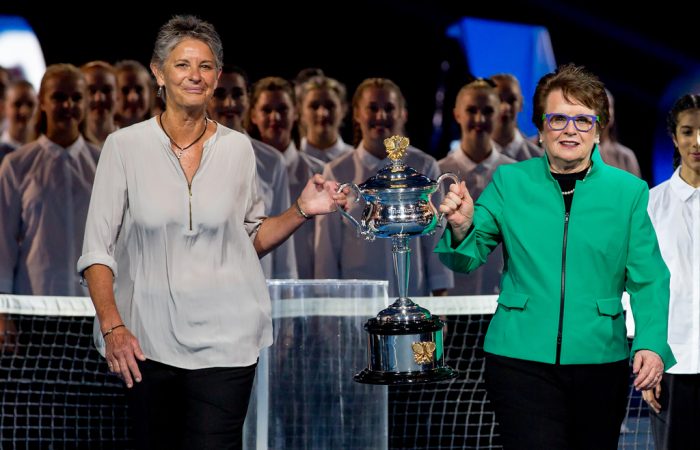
178 155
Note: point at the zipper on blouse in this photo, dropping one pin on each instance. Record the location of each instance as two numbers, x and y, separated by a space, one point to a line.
189 194
189 191
563 289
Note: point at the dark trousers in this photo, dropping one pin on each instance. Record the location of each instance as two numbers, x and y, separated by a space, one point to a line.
563 407
173 408
676 427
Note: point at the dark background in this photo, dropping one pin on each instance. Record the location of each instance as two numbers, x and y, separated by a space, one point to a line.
636 51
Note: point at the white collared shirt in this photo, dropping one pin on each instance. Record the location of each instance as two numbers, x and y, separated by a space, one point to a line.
300 168
341 253
188 282
486 279
334 151
273 187
674 208
519 148
44 196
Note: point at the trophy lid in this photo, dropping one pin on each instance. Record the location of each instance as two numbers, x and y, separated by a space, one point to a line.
397 175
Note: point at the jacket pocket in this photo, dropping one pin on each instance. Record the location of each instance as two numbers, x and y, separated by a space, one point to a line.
610 307
511 300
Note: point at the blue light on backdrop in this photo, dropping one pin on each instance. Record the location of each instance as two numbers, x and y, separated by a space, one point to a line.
493 47
20 51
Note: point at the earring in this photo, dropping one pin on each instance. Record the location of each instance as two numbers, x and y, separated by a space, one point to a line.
540 140
159 94
597 141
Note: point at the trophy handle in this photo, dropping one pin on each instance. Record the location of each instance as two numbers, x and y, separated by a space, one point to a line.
358 194
442 177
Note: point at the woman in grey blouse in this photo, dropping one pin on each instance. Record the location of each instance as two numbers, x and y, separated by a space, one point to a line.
171 254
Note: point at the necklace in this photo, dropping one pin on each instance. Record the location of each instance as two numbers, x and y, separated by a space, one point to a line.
182 149
572 190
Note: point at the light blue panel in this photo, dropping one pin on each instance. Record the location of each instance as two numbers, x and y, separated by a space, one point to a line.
494 47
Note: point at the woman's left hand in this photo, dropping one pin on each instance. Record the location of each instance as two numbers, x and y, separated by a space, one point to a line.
319 196
648 369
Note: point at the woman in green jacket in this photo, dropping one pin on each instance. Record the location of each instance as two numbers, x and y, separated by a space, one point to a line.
575 234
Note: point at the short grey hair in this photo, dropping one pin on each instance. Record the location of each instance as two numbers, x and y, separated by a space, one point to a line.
186 27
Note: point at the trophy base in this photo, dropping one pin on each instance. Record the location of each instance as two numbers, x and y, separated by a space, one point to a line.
368 376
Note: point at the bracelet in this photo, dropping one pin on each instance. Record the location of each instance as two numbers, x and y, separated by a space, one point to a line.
301 211
108 332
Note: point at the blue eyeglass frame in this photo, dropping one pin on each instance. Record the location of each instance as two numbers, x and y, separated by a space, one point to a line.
547 117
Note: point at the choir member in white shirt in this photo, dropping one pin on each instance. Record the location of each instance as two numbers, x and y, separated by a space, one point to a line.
507 138
45 189
20 116
378 112
476 111
272 118
322 107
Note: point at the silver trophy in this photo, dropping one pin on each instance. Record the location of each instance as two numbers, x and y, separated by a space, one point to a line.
405 343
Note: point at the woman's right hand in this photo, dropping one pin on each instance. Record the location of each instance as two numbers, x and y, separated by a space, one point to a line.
458 208
121 350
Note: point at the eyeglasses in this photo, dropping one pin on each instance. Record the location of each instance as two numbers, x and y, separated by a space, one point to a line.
582 122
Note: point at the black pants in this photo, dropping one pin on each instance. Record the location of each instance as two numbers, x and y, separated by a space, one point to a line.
676 427
563 407
173 408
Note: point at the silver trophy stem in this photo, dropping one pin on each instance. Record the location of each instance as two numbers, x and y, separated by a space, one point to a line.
401 253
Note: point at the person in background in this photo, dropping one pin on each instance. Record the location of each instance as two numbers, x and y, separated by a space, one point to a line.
20 115
340 253
477 109
45 189
133 93
305 75
229 106
575 234
172 243
102 91
674 208
612 152
323 106
506 136
271 119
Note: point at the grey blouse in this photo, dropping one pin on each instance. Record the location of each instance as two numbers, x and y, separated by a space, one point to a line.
188 281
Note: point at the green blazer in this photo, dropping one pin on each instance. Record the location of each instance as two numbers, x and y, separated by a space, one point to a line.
563 275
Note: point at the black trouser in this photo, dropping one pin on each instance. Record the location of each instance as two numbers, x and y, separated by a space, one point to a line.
676 427
563 407
173 408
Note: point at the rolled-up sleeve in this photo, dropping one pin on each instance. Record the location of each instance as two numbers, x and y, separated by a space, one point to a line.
108 204
255 205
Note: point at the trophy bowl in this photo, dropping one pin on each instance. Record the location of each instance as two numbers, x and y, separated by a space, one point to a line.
405 343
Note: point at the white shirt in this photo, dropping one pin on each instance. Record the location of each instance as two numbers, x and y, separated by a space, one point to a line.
273 186
674 208
519 148
188 282
340 253
300 168
44 196
333 152
486 279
